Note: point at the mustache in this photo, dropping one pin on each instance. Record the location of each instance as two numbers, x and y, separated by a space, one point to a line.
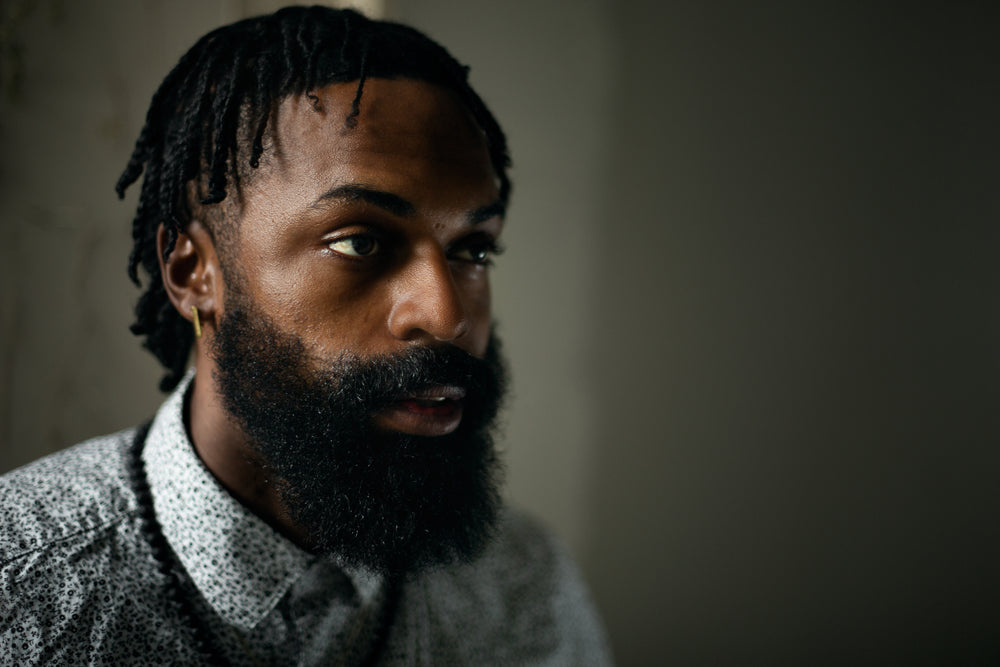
374 382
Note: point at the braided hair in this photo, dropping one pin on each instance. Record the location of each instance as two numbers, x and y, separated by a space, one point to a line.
207 121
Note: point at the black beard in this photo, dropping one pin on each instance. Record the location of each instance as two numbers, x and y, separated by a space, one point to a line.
390 502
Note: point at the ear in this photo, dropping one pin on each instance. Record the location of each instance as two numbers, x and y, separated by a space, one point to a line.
191 274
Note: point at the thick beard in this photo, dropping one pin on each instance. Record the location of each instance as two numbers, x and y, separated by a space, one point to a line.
390 502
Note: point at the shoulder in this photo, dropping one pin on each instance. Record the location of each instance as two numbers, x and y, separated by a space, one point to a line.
73 573
523 599
72 493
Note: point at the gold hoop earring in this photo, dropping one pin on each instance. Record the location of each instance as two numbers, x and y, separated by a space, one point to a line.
196 322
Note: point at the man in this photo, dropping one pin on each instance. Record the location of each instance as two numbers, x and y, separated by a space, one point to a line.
321 199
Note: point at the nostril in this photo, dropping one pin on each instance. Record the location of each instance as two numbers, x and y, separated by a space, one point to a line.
461 329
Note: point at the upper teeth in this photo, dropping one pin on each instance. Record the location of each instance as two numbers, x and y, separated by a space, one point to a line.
436 399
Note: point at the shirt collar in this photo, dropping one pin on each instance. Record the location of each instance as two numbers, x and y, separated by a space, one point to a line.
239 563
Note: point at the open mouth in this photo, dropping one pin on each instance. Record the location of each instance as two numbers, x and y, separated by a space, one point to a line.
430 412
439 405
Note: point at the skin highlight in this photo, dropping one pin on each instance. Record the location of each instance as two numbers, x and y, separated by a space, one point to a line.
368 240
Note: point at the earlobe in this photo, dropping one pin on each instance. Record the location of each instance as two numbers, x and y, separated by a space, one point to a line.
191 273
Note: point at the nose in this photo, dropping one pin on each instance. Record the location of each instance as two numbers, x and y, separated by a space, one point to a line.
427 303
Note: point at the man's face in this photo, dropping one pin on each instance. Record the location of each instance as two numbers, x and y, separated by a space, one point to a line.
354 348
374 239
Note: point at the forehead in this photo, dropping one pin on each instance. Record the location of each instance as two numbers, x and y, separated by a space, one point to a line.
411 138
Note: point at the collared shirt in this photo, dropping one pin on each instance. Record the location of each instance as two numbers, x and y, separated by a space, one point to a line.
79 583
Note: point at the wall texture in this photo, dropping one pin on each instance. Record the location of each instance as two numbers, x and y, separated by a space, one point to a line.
749 296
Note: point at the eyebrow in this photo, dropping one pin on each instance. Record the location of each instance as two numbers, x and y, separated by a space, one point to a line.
484 213
398 206
385 200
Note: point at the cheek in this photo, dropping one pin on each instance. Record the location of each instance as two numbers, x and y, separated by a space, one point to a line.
477 301
330 310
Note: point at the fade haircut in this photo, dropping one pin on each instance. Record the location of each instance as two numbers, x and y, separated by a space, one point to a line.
210 115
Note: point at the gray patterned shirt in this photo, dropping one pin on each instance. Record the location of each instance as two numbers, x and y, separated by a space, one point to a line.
79 584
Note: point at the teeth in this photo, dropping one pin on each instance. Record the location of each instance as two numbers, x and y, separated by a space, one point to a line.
430 401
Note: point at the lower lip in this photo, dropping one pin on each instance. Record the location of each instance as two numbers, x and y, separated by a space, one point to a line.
416 419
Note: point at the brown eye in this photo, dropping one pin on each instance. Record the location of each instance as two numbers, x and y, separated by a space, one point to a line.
359 245
477 251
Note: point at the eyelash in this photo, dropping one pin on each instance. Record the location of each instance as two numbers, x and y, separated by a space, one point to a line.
478 244
484 244
376 242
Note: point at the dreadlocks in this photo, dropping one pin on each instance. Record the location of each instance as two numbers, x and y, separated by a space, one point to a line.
213 109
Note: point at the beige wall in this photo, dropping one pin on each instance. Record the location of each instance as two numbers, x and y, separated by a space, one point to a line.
749 297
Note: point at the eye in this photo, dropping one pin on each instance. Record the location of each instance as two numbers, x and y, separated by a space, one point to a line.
358 245
477 250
